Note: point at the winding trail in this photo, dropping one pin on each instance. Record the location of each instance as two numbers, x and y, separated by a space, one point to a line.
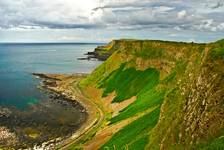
94 123
68 85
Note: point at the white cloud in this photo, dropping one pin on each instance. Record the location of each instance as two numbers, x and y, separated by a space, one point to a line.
181 14
125 14
42 12
129 16
210 25
177 28
163 8
221 26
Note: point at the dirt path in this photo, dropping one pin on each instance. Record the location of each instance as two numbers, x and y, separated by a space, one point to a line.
96 117
68 85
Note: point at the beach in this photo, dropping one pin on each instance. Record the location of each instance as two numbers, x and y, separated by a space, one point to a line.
68 86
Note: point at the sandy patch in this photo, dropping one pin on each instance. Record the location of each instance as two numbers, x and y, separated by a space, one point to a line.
116 107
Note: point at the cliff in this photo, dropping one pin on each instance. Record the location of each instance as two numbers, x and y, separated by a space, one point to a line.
159 95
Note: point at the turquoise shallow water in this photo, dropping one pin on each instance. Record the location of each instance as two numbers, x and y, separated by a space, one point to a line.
18 61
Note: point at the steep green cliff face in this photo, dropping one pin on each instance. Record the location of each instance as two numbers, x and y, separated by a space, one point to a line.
179 89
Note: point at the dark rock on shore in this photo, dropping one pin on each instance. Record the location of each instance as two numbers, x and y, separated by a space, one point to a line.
96 55
43 125
44 76
84 58
50 83
101 53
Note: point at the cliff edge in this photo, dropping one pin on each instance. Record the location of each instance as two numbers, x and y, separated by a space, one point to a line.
159 95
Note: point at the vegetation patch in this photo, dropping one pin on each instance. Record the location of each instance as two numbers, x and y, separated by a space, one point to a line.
123 138
128 82
147 99
149 51
216 144
217 53
139 144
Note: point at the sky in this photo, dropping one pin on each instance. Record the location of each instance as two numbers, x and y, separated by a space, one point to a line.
104 20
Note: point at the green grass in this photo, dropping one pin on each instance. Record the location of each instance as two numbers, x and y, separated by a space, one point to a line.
148 98
169 78
216 144
112 63
139 144
217 53
148 51
123 138
128 82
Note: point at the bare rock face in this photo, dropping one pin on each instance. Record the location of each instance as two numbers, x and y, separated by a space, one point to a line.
203 113
193 112
7 138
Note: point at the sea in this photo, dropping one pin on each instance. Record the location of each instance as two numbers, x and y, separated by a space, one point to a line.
29 114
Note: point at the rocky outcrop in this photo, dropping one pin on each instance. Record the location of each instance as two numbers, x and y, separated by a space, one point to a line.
7 138
103 52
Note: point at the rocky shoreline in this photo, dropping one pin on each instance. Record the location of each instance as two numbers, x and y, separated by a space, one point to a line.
100 53
68 86
95 56
20 130
50 82
63 91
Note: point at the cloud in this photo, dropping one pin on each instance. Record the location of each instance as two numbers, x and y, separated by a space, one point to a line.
207 24
215 4
204 15
210 25
51 14
178 14
220 26
181 14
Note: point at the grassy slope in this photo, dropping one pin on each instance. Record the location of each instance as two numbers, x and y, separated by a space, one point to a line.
125 139
186 79
128 82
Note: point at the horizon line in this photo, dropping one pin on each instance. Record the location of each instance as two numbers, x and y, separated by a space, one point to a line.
53 42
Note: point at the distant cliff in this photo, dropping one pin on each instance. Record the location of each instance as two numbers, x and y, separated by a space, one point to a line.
170 93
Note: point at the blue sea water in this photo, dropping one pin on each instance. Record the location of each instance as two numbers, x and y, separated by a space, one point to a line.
18 61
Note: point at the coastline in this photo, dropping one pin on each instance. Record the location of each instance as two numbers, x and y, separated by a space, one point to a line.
68 86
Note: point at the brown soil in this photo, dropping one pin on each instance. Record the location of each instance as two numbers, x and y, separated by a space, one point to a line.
119 106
